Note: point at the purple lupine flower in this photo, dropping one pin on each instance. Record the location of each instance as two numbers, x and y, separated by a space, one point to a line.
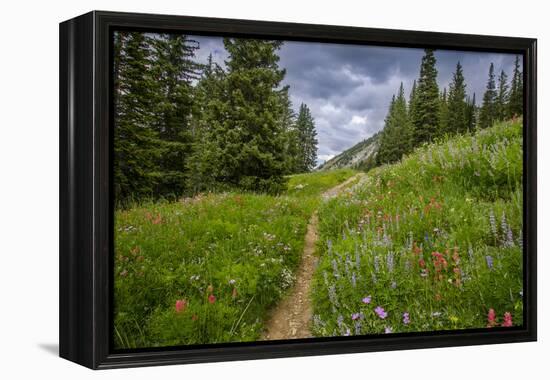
389 262
493 223
367 299
406 318
380 312
388 330
340 321
358 328
489 260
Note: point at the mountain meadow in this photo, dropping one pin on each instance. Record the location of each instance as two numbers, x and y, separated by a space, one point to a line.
230 228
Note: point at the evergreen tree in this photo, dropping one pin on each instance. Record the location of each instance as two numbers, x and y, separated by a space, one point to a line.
412 100
471 111
245 136
425 117
307 140
515 101
487 114
395 140
501 101
443 112
136 148
457 106
203 166
175 70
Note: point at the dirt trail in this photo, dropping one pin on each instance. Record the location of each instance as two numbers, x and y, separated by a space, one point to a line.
291 317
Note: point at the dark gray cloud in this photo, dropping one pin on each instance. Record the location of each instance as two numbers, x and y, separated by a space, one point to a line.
348 87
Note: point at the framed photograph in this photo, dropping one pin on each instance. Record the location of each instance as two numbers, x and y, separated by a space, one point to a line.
235 189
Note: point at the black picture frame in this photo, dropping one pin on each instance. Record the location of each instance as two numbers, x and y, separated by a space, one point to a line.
86 202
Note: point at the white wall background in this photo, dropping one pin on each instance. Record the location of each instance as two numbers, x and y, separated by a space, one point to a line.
29 187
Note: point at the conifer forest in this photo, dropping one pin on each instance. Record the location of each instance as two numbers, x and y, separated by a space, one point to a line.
259 197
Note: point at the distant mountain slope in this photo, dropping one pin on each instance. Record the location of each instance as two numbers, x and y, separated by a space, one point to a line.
359 156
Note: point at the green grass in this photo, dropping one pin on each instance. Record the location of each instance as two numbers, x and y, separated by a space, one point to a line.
241 249
437 236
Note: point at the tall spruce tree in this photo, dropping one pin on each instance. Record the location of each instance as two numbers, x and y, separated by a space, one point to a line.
245 136
203 166
412 100
471 112
136 141
395 140
307 140
443 111
175 70
515 101
487 113
457 106
425 116
501 101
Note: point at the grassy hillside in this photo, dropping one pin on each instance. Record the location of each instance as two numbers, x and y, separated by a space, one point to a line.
431 243
206 269
360 156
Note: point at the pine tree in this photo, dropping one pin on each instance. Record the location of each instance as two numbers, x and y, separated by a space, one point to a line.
412 99
425 116
136 149
245 135
457 106
175 70
487 114
443 112
471 111
501 101
395 140
515 101
203 166
307 140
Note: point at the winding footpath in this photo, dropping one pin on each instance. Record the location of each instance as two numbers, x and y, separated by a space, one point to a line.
292 316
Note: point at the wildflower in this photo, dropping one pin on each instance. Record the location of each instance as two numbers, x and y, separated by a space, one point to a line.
340 321
381 312
393 284
358 328
367 299
507 320
353 280
422 263
212 298
210 289
489 261
124 273
232 282
521 293
406 318
347 333
389 262
388 330
181 305
436 314
492 222
491 318
194 317
355 316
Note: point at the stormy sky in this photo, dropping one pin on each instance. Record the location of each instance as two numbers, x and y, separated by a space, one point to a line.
348 87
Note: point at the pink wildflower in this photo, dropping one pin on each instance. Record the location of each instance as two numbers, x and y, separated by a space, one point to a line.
181 305
507 320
